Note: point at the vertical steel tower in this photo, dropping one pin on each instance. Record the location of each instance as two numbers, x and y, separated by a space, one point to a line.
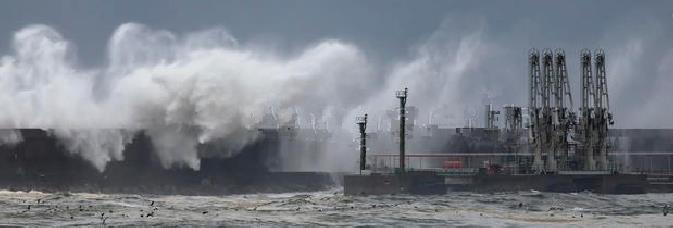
362 124
602 116
547 127
586 138
534 109
563 117
402 95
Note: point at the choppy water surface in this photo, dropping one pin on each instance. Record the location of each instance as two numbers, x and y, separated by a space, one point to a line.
333 208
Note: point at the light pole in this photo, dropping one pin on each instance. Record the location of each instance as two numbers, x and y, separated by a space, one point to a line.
402 95
362 124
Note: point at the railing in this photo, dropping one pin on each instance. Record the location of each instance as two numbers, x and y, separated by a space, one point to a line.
387 162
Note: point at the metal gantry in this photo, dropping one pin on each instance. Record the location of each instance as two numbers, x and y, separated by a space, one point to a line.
552 121
534 109
547 127
602 116
585 130
595 111
563 117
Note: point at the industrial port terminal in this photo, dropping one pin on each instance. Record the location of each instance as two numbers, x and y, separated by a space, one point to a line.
550 145
547 146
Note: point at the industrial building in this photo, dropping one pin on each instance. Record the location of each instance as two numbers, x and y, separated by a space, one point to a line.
546 143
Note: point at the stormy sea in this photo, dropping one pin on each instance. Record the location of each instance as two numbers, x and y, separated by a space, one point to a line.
332 208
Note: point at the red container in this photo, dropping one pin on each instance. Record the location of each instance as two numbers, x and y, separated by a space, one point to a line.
453 164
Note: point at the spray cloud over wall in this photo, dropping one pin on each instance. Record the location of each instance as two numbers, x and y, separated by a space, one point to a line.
182 90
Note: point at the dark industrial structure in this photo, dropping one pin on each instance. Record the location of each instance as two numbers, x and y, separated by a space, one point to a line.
40 162
551 149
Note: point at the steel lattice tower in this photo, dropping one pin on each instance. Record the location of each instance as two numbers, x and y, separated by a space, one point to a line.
585 132
534 109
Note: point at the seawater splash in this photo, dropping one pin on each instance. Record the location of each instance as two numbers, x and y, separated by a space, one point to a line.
180 89
10 137
186 89
89 143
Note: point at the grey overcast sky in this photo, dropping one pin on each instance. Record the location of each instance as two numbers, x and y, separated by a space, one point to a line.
384 28
637 35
